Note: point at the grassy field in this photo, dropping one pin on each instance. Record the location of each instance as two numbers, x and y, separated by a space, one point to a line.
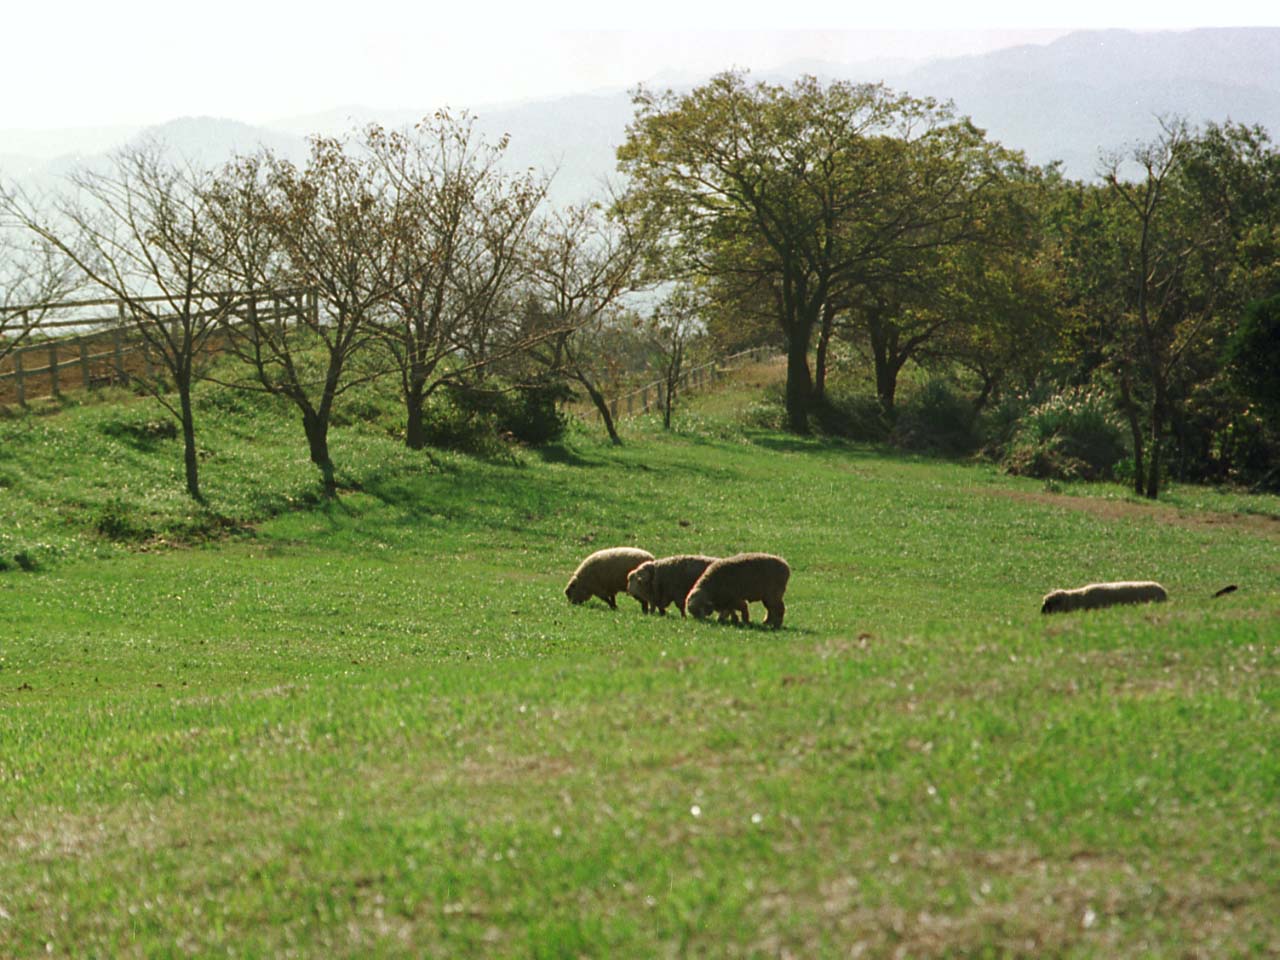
375 727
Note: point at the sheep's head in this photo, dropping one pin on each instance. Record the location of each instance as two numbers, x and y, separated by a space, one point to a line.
577 591
1054 602
699 604
640 581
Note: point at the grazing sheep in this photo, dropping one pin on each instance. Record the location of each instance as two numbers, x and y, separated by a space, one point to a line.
729 584
604 575
1098 595
667 581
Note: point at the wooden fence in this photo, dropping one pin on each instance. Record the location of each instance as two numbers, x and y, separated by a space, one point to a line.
652 396
109 348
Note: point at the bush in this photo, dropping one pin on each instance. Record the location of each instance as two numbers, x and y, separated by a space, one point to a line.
938 419
480 419
141 434
117 521
1074 435
855 416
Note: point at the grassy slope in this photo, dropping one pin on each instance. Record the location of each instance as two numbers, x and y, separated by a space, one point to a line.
376 726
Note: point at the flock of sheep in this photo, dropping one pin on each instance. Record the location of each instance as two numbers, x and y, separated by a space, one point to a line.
696 584
705 585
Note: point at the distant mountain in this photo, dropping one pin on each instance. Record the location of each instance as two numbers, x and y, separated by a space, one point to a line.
211 141
1068 100
1098 91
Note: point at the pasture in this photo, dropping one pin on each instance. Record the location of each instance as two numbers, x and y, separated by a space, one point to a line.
375 727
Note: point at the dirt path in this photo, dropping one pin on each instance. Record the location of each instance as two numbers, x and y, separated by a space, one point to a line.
1254 523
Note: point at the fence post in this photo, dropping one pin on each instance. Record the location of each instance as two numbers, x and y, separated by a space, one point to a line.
117 340
84 361
53 370
662 404
630 404
17 377
644 400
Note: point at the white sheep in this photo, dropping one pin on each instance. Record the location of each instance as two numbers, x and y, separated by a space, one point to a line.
1094 596
729 584
661 583
604 575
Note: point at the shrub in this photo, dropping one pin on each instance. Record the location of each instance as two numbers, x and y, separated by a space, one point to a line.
117 521
853 415
1074 435
141 434
938 419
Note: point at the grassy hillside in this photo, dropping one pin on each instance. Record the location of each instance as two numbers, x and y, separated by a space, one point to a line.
375 727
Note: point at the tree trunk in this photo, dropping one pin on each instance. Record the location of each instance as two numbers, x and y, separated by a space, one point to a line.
1135 430
669 401
190 460
799 383
820 360
1153 465
601 405
415 434
884 344
317 429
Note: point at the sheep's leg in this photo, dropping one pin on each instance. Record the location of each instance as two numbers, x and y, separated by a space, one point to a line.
608 598
746 613
776 609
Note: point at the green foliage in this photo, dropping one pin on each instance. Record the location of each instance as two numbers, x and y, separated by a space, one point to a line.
851 413
1253 354
1074 435
486 418
937 419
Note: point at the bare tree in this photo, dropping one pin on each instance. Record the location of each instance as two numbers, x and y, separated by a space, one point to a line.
138 230
579 269
34 274
671 328
323 227
460 223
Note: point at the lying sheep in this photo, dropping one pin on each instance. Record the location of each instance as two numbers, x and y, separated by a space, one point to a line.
604 575
729 584
1098 595
663 582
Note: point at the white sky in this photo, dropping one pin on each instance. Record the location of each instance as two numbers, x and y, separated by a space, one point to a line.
72 63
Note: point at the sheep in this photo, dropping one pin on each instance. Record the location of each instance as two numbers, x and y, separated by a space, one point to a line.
604 575
1098 595
666 581
727 585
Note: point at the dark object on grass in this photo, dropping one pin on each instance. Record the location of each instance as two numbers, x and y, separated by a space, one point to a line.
1229 588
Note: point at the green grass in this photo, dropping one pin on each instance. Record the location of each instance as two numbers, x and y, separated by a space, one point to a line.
375 727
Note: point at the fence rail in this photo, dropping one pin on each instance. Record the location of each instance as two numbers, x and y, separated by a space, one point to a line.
111 349
695 378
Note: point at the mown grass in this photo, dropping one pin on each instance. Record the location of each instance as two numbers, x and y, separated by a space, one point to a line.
375 727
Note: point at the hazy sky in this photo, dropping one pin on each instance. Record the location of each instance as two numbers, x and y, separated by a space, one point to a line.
148 61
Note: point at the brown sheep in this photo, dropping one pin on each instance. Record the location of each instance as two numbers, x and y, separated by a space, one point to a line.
669 580
604 575
1094 596
729 584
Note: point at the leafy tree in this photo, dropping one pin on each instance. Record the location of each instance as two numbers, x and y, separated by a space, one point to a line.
1253 355
1192 225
